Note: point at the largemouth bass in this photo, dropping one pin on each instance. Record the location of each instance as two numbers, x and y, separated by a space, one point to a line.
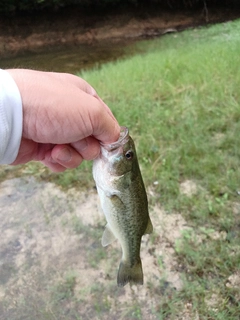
124 202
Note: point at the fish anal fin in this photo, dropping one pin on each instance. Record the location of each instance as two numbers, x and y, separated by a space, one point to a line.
108 237
149 228
133 274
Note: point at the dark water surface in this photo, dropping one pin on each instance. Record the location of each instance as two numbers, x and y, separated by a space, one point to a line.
71 59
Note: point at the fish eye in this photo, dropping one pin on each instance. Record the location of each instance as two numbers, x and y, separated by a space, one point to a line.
129 155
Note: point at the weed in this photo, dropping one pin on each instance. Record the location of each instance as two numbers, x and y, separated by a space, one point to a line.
65 288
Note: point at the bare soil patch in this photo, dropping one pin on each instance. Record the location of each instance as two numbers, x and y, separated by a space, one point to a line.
52 262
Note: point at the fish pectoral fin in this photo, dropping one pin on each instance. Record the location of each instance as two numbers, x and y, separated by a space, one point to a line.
117 201
149 228
108 237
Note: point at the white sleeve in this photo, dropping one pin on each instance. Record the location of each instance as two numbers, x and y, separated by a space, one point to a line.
11 118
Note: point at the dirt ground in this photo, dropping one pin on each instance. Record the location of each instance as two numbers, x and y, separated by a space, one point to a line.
34 32
47 233
52 264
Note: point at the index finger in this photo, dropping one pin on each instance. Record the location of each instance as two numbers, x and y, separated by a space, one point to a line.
84 86
105 127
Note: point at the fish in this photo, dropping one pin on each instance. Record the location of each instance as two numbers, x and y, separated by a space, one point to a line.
124 202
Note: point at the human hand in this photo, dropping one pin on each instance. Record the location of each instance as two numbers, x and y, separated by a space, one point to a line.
63 119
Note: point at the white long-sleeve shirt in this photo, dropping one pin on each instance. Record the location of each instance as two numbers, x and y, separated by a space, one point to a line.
11 118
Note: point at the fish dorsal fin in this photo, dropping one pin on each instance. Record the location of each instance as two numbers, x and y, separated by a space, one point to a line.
108 237
149 228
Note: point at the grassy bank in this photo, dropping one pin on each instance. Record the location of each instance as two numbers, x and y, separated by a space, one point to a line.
181 100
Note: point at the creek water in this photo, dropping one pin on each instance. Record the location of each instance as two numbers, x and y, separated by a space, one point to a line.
71 59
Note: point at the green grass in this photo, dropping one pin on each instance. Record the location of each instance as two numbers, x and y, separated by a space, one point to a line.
180 99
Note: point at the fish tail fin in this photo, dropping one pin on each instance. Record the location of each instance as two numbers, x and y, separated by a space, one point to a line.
133 274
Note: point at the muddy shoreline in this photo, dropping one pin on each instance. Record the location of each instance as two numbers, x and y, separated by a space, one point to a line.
36 33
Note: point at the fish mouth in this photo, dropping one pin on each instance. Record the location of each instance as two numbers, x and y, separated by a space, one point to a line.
123 138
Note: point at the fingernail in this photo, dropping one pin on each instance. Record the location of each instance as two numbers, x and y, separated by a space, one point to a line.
80 145
64 155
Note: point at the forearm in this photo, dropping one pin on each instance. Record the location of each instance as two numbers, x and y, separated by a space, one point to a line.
11 118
